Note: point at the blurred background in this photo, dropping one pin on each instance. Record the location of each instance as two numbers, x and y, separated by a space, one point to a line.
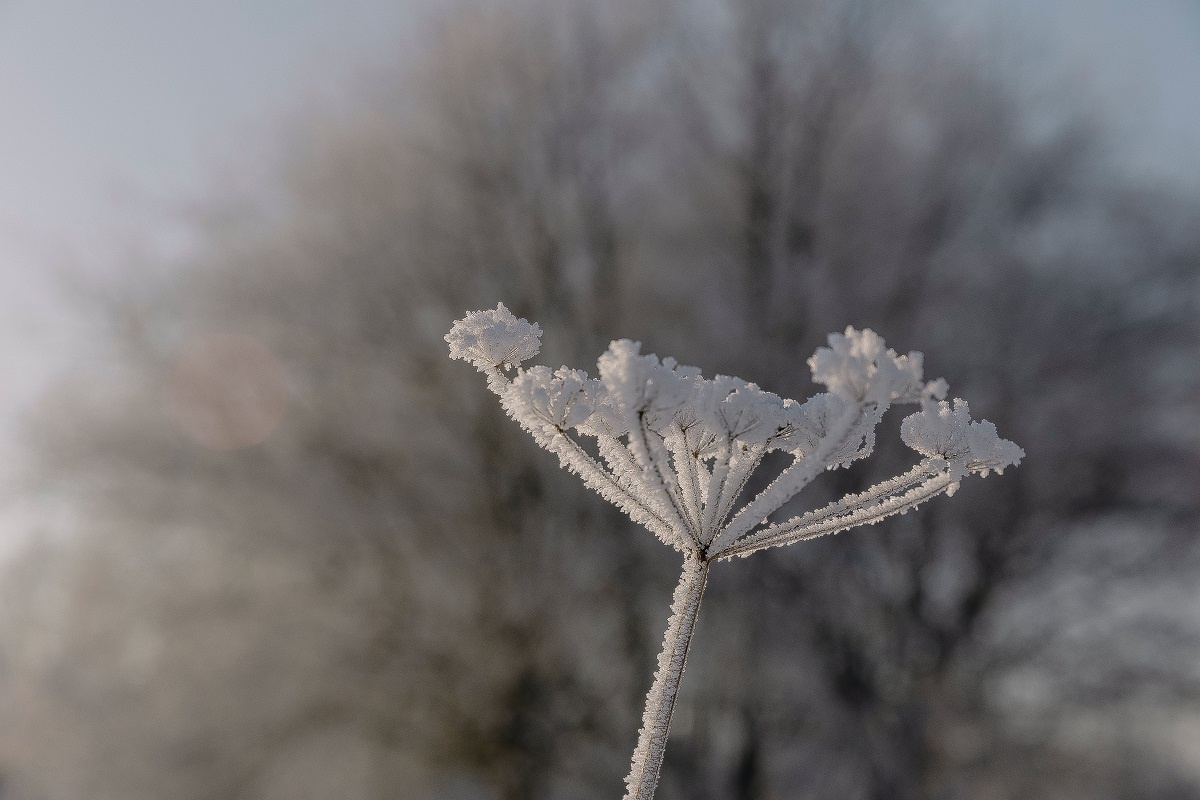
261 538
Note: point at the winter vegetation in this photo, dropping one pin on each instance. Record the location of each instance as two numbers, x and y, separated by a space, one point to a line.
676 452
394 595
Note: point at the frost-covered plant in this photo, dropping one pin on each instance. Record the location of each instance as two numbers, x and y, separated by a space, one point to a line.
676 451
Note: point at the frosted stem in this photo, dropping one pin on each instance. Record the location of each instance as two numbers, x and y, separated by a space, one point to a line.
660 702
679 423
716 489
741 465
688 481
836 517
648 456
575 459
788 483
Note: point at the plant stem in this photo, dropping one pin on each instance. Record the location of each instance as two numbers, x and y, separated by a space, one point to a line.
660 702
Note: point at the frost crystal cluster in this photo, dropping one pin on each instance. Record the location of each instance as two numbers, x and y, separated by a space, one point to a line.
675 450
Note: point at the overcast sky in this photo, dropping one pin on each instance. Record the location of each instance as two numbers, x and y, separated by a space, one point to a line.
114 111
110 110
108 107
1139 60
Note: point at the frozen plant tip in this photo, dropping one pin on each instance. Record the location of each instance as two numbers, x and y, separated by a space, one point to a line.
676 451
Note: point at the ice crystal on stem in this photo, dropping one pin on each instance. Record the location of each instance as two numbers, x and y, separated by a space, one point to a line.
676 451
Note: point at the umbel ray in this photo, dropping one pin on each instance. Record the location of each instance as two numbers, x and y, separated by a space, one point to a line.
676 451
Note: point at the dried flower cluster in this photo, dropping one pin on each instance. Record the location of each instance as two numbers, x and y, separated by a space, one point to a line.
675 451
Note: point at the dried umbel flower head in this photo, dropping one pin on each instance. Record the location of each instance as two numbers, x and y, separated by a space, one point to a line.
676 451
494 339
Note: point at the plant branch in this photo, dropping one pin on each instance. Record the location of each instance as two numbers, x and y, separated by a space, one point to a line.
686 467
575 459
896 496
660 702
789 482
657 473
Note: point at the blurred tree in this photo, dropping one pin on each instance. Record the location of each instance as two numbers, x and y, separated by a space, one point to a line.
396 594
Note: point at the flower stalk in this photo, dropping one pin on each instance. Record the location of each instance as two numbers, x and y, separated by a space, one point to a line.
660 701
676 451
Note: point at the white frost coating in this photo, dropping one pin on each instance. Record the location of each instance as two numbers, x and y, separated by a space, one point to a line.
939 430
676 452
564 398
643 386
896 496
736 410
858 366
494 339
829 452
574 459
660 701
648 393
607 418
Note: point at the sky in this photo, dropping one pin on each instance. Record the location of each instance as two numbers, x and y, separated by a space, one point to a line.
1138 61
110 109
114 111
105 99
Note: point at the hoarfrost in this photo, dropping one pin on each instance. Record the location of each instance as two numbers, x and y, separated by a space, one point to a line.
676 451
942 430
494 339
